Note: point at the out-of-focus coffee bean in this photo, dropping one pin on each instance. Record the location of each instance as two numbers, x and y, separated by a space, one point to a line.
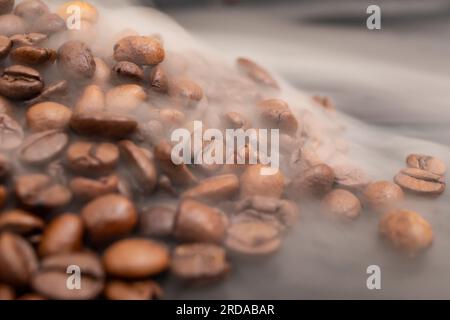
5 166
140 166
382 195
63 234
406 230
316 181
30 10
108 217
158 79
87 11
6 292
103 124
140 50
56 90
33 55
214 189
254 182
92 100
276 114
125 98
350 177
85 157
199 261
28 39
17 260
136 290
11 133
3 196
39 191
5 107
185 92
10 24
157 221
172 117
420 181
48 116
20 222
87 188
51 280
125 71
325 102
197 222
6 6
256 72
235 120
136 258
20 83
341 204
102 72
5 46
75 60
48 23
428 163
42 147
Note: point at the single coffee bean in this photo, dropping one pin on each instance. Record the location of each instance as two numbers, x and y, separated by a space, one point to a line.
63 234
140 166
275 113
420 181
108 217
88 189
235 120
51 280
30 10
102 124
6 292
17 260
136 258
253 238
316 181
33 55
28 39
54 91
125 71
256 72
85 157
199 261
158 79
42 147
5 46
341 204
20 222
92 100
3 196
48 23
255 182
382 195
6 6
157 221
38 191
125 98
11 133
5 166
214 189
196 222
432 164
10 24
20 83
136 290
185 91
139 50
406 230
350 177
75 60
48 116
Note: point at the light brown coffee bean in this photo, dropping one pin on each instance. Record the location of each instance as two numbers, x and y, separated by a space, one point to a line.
75 60
185 91
382 195
275 113
102 72
42 147
11 133
172 117
30 10
158 79
48 116
136 290
63 234
419 181
125 71
6 292
6 6
341 203
20 83
256 72
139 50
85 157
254 182
28 39
125 98
136 258
11 24
5 47
54 91
316 181
214 189
406 230
108 217
48 23
20 222
92 100
428 163
103 124
88 189
33 55
157 221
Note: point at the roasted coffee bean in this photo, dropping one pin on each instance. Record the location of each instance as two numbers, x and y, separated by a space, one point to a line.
185 91
199 261
3 196
275 113
42 147
382 195
125 98
125 71
20 83
420 181
108 217
11 133
253 238
87 189
316 181
256 72
139 50
214 189
6 6
137 290
5 166
197 222
136 258
17 260
350 177
341 204
48 23
428 163
172 117
235 120
406 230
103 124
63 234
38 191
48 116
158 79
21 222
30 10
6 292
92 100
33 55
140 166
28 39
157 221
5 107
87 11
51 280
85 157
56 90
11 24
75 60
102 72
254 182
5 46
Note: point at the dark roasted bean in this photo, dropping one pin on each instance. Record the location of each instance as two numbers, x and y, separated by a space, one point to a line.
21 222
33 55
157 221
75 60
28 39
20 83
128 72
85 157
87 189
103 124
214 189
